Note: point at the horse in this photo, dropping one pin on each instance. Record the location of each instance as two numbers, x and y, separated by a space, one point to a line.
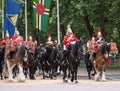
32 64
2 51
101 59
74 56
17 58
49 62
89 65
53 61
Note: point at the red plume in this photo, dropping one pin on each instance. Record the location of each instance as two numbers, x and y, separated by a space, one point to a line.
49 35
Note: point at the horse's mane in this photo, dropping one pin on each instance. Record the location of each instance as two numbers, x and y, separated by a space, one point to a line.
77 46
53 54
20 51
105 47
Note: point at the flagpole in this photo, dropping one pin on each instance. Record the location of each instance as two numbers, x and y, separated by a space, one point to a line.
2 18
26 20
25 2
58 23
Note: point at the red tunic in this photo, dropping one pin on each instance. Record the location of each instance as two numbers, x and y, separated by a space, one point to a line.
65 41
31 46
92 45
1 42
69 40
15 40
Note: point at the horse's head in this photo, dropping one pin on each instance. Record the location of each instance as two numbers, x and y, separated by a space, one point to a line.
80 45
22 52
113 48
80 48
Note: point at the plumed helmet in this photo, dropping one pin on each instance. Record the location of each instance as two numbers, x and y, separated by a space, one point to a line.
7 34
17 32
30 37
49 37
69 30
36 42
99 31
93 38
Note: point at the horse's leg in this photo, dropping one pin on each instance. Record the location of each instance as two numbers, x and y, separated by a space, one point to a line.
1 68
72 72
10 67
97 76
76 71
64 69
69 72
21 76
103 73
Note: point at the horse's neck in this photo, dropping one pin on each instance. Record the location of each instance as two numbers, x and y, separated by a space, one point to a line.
74 50
104 49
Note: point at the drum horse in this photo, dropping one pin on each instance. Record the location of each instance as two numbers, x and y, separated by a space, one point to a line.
16 57
100 60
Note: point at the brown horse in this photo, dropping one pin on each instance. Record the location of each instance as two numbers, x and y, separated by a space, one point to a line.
102 56
17 59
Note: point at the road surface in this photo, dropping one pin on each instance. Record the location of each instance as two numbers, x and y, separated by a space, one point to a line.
112 84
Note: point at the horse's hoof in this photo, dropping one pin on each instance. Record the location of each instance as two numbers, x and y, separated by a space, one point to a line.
10 80
104 80
76 81
72 80
5 77
65 81
21 80
97 79
32 78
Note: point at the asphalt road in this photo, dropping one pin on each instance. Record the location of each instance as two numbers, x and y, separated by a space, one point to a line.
112 84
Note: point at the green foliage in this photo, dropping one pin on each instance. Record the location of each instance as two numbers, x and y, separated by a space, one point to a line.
105 13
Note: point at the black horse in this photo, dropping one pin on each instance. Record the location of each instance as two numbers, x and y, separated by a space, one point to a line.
89 65
75 54
2 51
49 62
32 65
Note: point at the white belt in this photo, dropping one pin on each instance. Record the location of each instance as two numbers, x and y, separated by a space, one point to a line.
73 42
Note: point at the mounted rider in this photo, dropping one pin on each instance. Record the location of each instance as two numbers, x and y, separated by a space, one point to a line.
49 45
7 42
49 42
16 40
69 38
100 40
30 44
92 47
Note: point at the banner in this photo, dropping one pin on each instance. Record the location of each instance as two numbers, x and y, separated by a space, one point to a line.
11 16
41 10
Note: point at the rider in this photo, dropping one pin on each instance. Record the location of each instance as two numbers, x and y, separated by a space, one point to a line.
55 42
7 42
16 40
100 40
69 38
49 42
31 44
92 47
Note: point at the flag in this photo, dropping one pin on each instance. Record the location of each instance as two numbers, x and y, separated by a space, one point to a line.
11 16
41 10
